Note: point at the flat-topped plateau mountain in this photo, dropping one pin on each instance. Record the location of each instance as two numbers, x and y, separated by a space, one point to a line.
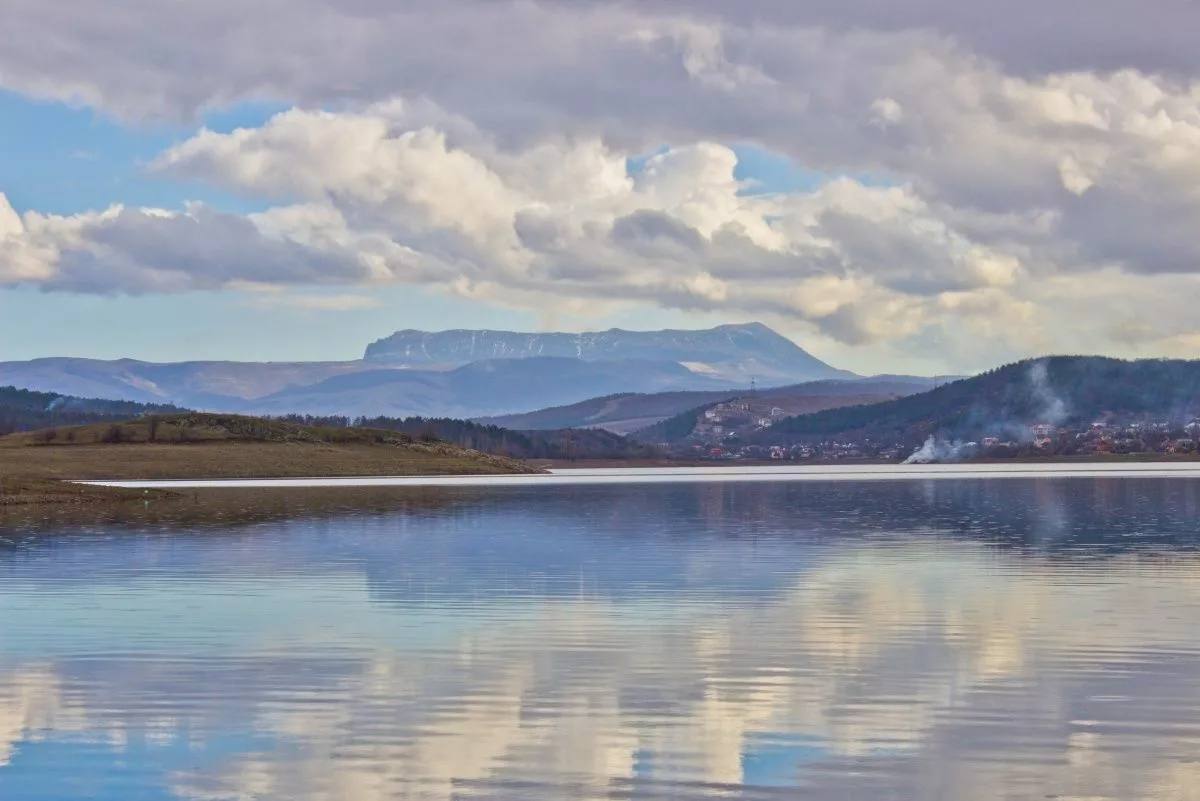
730 353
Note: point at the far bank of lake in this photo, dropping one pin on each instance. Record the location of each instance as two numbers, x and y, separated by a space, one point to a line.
654 475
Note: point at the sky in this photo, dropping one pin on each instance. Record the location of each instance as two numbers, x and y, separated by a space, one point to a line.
933 186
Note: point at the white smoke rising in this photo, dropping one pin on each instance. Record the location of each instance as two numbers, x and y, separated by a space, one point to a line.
940 450
1054 408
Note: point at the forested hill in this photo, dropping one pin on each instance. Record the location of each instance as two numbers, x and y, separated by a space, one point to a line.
574 443
25 410
1058 390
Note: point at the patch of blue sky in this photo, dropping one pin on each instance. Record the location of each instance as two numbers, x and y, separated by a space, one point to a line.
145 765
769 759
775 759
61 159
213 324
765 172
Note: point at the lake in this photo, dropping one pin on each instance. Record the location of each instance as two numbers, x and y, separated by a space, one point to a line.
934 638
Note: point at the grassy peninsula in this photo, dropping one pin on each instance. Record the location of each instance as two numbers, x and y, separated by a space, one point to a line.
34 465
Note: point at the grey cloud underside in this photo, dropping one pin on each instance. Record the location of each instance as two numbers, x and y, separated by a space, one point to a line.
1026 36
366 50
139 252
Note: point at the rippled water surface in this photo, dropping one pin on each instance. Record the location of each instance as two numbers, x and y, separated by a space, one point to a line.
948 639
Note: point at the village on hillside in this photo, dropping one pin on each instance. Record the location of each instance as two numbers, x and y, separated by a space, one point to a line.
735 430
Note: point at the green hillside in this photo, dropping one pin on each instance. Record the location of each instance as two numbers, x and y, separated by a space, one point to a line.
581 443
1057 390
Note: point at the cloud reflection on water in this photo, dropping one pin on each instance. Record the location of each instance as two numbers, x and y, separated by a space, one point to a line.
799 640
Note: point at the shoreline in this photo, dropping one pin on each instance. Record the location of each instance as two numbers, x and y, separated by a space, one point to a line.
24 491
587 464
685 474
115 475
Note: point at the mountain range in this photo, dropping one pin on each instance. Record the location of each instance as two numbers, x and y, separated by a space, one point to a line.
1060 404
449 373
488 387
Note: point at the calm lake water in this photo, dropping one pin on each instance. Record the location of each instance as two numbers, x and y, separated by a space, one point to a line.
932 639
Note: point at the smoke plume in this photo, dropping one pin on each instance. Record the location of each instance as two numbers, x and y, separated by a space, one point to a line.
1054 408
940 450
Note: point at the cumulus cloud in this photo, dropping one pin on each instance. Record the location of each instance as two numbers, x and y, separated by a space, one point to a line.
678 231
974 172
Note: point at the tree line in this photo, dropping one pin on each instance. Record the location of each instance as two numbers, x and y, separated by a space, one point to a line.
28 410
567 443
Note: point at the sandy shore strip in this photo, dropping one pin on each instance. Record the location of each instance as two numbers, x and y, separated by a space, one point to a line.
651 475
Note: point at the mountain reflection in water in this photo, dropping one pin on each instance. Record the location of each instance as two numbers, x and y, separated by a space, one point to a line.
941 639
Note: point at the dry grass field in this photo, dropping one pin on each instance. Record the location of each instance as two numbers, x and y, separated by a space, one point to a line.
33 464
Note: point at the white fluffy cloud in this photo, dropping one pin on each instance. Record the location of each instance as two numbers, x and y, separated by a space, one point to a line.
979 185
569 217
